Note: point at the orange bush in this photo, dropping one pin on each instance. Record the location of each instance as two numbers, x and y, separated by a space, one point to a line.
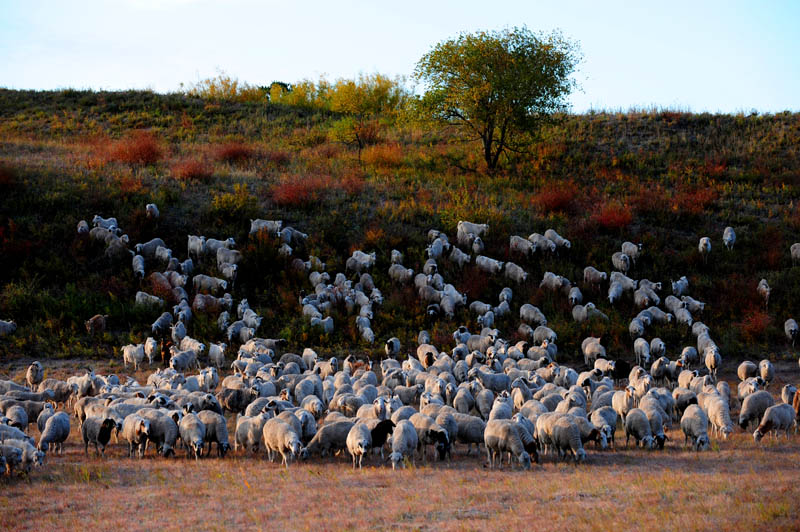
613 215
233 152
383 155
192 170
141 147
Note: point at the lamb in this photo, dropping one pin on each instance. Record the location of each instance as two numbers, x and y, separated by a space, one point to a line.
621 261
136 431
488 265
766 371
790 328
753 408
694 424
208 285
729 238
638 425
97 431
56 432
193 434
404 442
633 251
763 290
502 435
559 241
704 247
679 288
776 418
133 354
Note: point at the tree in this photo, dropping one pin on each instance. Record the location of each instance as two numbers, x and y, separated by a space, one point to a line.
499 87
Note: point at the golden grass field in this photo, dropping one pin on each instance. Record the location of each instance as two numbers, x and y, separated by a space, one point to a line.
738 485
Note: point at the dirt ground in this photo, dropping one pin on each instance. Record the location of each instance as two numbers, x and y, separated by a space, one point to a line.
735 485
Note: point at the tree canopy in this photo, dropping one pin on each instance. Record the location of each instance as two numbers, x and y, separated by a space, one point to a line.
500 86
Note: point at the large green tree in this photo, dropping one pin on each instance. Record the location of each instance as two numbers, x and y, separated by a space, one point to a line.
499 87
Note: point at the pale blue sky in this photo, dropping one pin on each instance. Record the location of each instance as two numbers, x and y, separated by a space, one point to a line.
699 55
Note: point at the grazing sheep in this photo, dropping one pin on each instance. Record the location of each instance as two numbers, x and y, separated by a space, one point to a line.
776 418
515 273
11 457
559 241
694 424
133 354
692 305
532 315
17 417
271 227
622 401
330 437
729 238
787 393
641 349
719 415
633 251
753 407
249 431
763 290
575 296
163 430
594 277
193 434
605 418
56 432
359 443
501 436
488 265
208 285
97 431
135 430
704 247
713 360
96 324
638 425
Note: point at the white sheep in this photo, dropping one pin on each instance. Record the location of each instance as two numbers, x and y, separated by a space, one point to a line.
753 407
404 443
594 277
679 288
719 415
271 227
638 425
515 273
780 417
790 329
133 354
763 290
56 432
575 296
729 238
459 257
704 247
633 251
530 314
488 265
766 370
694 424
501 436
151 210
559 241
621 261
794 251
400 274
7 327
615 291
692 305
193 434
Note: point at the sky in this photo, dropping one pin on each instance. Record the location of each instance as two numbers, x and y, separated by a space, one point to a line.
717 56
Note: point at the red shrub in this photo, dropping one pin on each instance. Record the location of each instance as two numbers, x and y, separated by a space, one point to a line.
141 147
192 170
299 190
754 325
694 201
613 215
556 197
233 152
278 157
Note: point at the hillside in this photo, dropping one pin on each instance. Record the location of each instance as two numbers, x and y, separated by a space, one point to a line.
661 178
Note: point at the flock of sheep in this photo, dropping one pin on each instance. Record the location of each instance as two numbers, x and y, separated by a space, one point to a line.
512 397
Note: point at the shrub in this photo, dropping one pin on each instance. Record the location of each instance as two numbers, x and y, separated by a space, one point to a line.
613 216
694 201
754 325
225 87
296 191
233 152
278 157
556 198
192 170
139 148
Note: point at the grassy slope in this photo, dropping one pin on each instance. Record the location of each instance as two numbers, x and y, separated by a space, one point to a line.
680 176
